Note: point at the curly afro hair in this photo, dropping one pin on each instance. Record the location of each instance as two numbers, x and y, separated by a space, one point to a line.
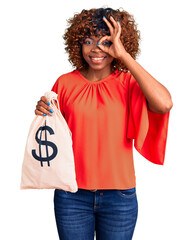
90 22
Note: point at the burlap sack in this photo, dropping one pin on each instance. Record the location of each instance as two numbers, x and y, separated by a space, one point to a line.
48 159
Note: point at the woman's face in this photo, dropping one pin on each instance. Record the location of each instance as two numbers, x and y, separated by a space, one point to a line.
94 56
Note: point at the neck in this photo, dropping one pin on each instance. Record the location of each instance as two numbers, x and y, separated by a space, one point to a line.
96 75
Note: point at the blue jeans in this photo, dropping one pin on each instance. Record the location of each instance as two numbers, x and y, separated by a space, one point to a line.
110 213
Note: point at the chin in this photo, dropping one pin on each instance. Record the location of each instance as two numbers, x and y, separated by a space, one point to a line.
98 67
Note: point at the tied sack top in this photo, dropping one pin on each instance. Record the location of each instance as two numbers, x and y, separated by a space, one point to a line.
105 117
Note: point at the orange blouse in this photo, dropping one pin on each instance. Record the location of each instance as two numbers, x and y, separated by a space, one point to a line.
104 118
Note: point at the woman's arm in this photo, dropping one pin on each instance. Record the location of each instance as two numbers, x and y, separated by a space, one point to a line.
157 96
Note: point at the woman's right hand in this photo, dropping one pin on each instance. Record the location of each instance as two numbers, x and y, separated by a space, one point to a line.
43 108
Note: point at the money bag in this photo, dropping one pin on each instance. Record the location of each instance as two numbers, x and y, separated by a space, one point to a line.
48 159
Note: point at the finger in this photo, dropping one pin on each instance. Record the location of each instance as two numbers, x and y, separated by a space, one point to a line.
43 110
109 25
119 30
114 21
45 103
45 100
37 112
105 38
115 24
42 105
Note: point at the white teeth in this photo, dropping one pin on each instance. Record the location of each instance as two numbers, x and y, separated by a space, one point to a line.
98 58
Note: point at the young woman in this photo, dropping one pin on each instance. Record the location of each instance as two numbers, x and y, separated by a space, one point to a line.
108 101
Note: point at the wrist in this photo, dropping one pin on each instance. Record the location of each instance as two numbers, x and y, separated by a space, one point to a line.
126 59
124 56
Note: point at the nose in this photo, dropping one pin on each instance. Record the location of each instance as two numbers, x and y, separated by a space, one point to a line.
96 48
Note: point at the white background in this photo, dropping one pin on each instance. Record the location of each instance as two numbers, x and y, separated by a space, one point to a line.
32 57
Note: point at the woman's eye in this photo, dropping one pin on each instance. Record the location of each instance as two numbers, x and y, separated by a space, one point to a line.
107 43
88 42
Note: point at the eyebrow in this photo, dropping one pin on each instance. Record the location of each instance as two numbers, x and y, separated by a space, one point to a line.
89 37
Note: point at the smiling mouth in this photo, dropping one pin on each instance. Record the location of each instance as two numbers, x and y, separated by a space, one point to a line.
97 59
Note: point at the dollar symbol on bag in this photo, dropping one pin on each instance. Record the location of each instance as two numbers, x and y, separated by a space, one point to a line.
46 143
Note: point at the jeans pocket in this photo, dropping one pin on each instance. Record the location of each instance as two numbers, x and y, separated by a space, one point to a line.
127 193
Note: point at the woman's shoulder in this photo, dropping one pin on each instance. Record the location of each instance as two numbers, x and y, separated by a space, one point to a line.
124 77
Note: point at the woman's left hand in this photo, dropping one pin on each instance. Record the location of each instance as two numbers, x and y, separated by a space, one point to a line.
116 49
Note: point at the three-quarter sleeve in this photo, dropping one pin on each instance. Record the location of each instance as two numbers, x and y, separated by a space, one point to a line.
148 129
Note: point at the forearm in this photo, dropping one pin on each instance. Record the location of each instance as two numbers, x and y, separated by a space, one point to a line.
157 96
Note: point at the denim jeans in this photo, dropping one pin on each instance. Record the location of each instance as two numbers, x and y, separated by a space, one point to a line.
110 214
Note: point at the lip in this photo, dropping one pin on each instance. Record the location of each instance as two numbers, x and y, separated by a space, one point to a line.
97 61
97 56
